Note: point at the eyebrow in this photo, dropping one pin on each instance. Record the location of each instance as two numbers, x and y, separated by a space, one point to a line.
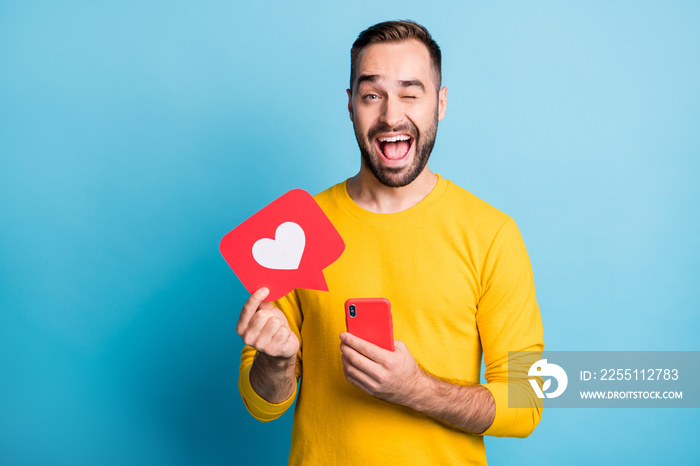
412 83
367 78
373 78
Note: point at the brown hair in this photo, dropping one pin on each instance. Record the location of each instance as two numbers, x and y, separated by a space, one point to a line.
395 31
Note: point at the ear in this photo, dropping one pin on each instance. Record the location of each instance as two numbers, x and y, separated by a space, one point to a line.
350 104
442 103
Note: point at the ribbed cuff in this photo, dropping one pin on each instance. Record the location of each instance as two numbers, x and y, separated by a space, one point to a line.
260 409
510 421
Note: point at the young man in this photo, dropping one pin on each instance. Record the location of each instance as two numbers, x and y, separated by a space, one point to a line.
454 268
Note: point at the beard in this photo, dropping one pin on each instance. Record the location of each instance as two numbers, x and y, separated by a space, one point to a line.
397 177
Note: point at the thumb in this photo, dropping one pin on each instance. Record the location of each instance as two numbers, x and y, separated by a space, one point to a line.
400 345
266 306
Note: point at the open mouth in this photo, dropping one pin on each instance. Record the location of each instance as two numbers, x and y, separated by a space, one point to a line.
396 147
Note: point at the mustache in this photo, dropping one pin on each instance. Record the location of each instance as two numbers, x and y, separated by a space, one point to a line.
379 128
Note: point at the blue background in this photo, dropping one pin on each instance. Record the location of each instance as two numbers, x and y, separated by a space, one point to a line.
134 135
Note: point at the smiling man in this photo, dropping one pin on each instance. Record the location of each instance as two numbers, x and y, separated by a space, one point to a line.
454 268
389 101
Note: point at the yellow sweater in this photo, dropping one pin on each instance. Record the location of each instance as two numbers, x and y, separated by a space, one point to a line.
459 280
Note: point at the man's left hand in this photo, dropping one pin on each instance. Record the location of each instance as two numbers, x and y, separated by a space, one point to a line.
392 376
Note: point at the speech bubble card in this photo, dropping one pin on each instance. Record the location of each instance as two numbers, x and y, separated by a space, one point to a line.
285 245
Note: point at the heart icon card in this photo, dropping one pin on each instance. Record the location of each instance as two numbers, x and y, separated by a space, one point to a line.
285 245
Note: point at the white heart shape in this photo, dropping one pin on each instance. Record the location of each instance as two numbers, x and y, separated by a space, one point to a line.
285 251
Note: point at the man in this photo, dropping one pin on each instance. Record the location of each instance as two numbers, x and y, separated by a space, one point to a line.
454 268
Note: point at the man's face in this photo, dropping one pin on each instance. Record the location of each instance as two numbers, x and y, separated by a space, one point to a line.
395 108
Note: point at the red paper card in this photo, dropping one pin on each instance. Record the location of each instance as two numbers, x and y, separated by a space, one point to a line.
285 245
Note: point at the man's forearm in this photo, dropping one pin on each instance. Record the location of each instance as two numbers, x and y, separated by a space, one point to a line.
273 379
396 377
470 408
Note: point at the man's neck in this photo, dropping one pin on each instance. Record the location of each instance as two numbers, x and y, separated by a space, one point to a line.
367 192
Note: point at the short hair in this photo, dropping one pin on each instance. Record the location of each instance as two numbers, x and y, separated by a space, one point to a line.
395 31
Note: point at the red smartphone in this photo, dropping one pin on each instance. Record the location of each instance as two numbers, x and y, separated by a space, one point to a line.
370 319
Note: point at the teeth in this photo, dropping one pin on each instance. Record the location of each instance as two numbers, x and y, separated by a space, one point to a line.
395 138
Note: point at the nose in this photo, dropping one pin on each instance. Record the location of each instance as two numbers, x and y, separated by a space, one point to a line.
392 113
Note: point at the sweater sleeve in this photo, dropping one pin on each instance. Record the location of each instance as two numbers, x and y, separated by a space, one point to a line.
508 319
261 409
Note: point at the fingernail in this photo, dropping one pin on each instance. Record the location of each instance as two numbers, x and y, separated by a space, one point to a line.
264 291
342 336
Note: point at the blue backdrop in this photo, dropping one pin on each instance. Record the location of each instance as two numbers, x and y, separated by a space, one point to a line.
134 135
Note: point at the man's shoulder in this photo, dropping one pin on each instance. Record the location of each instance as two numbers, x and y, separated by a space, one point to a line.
470 207
328 193
328 199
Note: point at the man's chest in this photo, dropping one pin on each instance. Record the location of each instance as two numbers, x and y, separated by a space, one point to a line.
432 282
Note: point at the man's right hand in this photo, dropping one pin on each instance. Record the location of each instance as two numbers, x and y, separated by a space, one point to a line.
265 328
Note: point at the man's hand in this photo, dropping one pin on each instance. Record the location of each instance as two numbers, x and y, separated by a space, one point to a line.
396 377
392 376
265 328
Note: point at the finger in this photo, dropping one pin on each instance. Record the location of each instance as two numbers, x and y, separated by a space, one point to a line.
279 343
353 358
266 306
358 378
251 335
361 386
249 309
368 349
271 338
291 346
